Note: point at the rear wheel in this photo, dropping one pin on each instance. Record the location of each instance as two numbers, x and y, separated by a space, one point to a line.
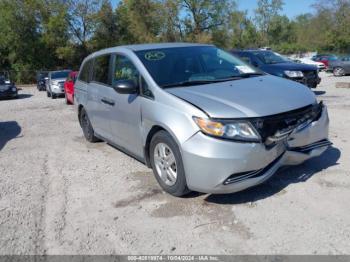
48 94
87 127
338 71
167 164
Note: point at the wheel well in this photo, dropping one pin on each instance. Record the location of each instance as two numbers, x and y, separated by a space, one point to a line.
151 133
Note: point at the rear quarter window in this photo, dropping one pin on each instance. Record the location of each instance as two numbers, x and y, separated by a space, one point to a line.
85 72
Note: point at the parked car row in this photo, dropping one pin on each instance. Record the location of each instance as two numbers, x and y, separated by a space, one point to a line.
339 66
308 61
324 58
278 65
58 84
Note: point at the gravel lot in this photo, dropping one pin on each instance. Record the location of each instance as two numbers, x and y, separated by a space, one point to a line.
62 195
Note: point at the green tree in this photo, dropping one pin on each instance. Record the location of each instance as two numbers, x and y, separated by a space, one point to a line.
281 30
243 33
106 33
264 14
141 20
82 23
205 19
20 39
172 29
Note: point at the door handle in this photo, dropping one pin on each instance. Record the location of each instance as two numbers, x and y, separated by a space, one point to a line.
108 101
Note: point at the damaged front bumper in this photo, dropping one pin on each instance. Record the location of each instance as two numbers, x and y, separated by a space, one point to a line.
217 166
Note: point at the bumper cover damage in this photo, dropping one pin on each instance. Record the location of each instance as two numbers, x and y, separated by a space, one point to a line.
227 167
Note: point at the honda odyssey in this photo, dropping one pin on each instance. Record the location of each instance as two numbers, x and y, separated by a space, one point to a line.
202 119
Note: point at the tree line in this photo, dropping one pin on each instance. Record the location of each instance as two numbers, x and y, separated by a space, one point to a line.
55 34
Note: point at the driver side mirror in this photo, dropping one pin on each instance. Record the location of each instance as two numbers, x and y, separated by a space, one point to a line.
255 64
125 87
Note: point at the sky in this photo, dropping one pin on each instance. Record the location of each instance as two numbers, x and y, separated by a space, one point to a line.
291 8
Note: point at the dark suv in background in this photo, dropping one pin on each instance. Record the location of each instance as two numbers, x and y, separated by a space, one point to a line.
278 65
7 88
41 78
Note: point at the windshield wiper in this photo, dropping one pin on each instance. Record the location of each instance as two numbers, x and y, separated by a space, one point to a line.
203 82
237 77
191 83
247 75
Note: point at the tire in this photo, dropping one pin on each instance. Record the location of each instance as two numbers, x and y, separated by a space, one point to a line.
88 131
338 71
170 175
48 94
53 96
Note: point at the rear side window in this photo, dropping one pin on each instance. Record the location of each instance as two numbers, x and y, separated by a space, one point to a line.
85 71
101 70
245 58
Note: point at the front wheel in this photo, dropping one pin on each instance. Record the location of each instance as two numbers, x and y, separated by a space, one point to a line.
87 127
338 71
167 164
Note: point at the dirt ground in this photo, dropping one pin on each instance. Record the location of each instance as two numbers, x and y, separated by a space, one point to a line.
62 195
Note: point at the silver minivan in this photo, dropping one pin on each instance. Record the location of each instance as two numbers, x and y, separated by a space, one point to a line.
202 119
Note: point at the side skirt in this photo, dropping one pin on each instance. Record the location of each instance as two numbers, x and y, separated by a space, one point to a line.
122 149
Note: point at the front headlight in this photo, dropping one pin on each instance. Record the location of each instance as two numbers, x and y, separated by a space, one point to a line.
294 74
14 89
236 130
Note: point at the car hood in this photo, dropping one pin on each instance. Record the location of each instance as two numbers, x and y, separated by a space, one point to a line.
310 62
58 80
290 66
252 97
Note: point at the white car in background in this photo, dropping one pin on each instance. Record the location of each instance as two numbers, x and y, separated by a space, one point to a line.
308 61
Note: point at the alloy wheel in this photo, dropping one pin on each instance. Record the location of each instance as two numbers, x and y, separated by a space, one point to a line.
339 71
165 163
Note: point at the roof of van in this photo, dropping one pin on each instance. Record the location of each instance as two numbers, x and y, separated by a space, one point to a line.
161 45
141 47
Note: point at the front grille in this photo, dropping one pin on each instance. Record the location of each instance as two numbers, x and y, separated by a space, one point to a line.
310 74
272 128
310 78
4 88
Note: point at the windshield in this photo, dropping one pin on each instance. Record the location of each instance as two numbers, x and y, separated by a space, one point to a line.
193 65
60 74
2 80
333 58
268 57
42 75
4 75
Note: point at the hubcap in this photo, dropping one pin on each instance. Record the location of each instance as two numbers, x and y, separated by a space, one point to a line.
339 71
165 164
